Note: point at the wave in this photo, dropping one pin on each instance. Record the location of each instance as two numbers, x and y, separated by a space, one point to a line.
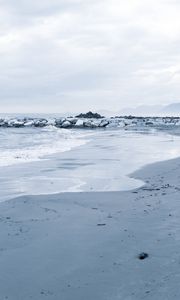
22 146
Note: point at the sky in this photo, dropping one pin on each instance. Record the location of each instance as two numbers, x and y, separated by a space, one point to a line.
80 55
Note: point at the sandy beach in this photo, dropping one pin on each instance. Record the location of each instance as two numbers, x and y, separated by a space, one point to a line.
86 245
89 150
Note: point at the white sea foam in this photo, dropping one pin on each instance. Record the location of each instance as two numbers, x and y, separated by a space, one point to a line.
22 146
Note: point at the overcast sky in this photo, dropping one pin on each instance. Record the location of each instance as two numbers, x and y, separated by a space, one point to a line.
77 55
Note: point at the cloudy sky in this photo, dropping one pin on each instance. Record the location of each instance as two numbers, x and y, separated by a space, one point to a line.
76 55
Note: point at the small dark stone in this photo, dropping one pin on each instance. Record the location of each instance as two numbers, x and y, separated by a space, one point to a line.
143 255
101 224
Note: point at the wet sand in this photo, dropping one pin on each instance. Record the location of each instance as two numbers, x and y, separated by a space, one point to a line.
102 164
85 245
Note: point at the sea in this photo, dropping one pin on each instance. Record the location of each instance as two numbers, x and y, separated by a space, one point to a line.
50 160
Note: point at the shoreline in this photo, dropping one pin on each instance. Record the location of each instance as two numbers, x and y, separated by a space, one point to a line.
102 164
85 245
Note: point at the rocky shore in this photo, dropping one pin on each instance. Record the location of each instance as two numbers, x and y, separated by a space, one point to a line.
91 120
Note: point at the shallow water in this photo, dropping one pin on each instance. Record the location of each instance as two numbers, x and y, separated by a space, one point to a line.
19 145
98 160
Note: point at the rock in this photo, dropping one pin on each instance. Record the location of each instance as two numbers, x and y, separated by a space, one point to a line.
127 122
92 120
79 123
66 124
4 123
103 123
29 123
40 123
51 122
90 115
149 123
96 123
112 124
143 255
1 122
72 120
121 124
59 122
88 124
16 123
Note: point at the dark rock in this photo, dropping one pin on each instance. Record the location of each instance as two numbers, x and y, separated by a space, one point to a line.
40 123
104 123
72 120
58 122
149 123
90 115
143 255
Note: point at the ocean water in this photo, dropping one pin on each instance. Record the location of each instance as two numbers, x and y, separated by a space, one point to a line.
20 145
51 160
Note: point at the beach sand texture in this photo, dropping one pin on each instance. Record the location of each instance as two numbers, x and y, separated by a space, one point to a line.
85 246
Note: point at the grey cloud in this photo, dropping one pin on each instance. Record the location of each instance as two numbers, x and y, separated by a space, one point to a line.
89 54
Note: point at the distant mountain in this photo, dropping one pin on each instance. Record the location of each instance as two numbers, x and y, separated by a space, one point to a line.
172 109
142 110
